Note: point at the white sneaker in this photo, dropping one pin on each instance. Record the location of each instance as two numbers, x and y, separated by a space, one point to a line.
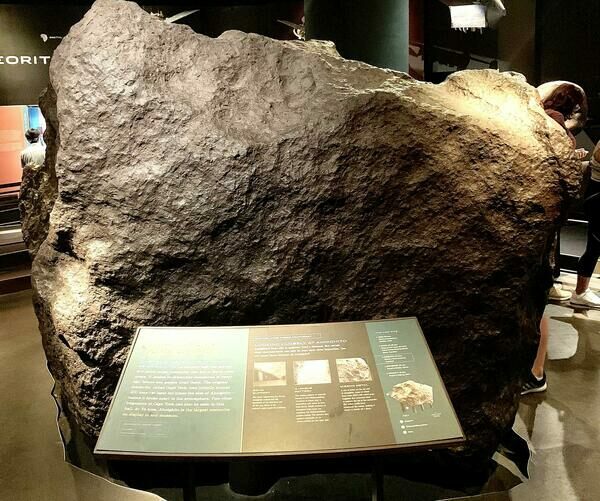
588 299
557 294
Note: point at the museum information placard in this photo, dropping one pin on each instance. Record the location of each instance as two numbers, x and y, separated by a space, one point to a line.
277 390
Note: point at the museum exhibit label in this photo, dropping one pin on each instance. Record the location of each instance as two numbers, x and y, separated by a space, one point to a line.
277 390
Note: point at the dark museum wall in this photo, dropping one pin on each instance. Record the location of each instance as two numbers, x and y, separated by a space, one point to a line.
25 51
516 37
213 18
375 32
508 46
568 49
29 33
544 40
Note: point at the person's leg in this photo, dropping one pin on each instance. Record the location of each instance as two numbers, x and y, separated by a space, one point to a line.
582 284
538 364
557 293
589 259
536 382
556 264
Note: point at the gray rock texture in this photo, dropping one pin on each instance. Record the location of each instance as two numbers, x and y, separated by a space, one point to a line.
243 180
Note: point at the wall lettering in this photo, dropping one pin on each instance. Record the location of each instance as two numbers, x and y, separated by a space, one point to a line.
24 60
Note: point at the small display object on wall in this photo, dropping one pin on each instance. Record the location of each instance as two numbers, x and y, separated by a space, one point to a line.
278 390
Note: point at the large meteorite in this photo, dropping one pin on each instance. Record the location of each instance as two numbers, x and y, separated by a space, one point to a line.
243 180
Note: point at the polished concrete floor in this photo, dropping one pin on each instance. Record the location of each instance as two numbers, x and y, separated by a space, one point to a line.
562 426
31 452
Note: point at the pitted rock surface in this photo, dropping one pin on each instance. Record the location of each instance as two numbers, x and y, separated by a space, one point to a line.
243 180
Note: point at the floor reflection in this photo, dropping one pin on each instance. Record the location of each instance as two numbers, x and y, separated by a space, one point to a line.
562 424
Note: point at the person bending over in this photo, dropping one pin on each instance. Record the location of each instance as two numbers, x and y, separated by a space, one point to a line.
566 103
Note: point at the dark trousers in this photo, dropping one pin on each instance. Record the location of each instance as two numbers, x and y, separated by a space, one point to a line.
591 205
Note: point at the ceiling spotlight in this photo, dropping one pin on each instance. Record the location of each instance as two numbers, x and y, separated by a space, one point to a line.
475 15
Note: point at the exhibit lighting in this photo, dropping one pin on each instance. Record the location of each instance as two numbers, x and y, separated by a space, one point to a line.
468 15
465 17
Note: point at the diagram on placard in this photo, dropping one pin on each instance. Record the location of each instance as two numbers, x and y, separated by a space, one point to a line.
353 370
312 372
412 395
269 374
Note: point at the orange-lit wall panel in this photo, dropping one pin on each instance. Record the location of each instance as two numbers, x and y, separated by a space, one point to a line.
12 142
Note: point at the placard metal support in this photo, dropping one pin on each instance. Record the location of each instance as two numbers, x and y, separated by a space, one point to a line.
189 488
376 480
